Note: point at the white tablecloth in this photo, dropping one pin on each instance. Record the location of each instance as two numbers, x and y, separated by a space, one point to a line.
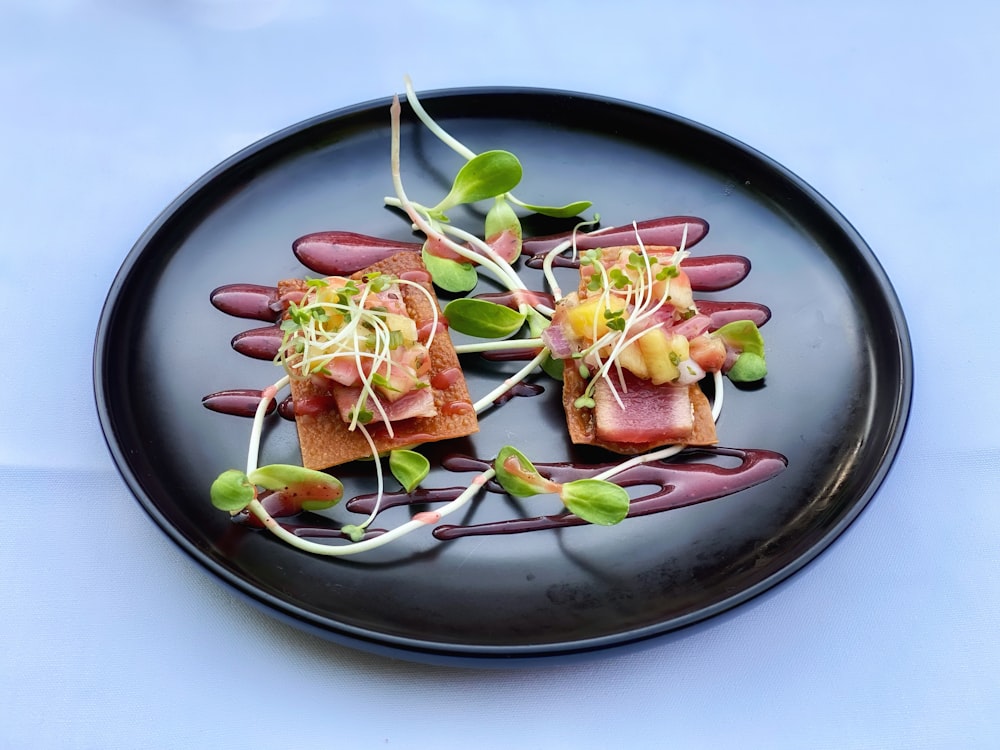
110 637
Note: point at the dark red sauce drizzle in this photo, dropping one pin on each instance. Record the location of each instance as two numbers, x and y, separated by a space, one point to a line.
679 485
342 253
284 505
522 389
513 299
258 343
676 483
237 402
338 252
666 230
247 301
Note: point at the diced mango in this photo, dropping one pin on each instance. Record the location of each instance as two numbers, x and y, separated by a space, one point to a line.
662 352
404 325
632 359
681 295
587 320
398 382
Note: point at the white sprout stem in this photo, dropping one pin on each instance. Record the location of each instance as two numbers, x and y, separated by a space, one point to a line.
453 143
510 382
550 276
506 275
667 452
379 481
485 256
341 550
550 256
497 264
266 396
495 346
434 307
717 403
545 310
443 135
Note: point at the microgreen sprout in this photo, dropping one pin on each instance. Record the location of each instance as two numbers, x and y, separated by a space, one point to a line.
340 321
483 319
596 501
744 337
560 212
559 249
409 468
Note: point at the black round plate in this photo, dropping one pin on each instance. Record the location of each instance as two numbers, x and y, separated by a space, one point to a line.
835 401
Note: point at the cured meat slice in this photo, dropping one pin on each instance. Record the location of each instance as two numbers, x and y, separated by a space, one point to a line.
645 429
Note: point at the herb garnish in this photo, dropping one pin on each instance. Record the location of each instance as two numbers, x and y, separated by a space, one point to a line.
341 319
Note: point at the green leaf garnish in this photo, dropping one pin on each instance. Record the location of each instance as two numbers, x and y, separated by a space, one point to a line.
619 279
362 415
518 476
748 368
553 367
668 272
382 381
614 319
409 467
482 318
279 476
537 322
317 490
353 532
377 281
557 212
232 491
595 501
485 175
744 336
450 275
501 218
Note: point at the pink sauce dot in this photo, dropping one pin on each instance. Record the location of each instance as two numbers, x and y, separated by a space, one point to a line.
427 517
457 407
424 331
421 277
446 378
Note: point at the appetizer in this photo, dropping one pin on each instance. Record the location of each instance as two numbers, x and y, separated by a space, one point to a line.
370 367
634 349
373 373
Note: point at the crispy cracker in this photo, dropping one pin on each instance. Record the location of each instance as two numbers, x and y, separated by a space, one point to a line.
324 438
